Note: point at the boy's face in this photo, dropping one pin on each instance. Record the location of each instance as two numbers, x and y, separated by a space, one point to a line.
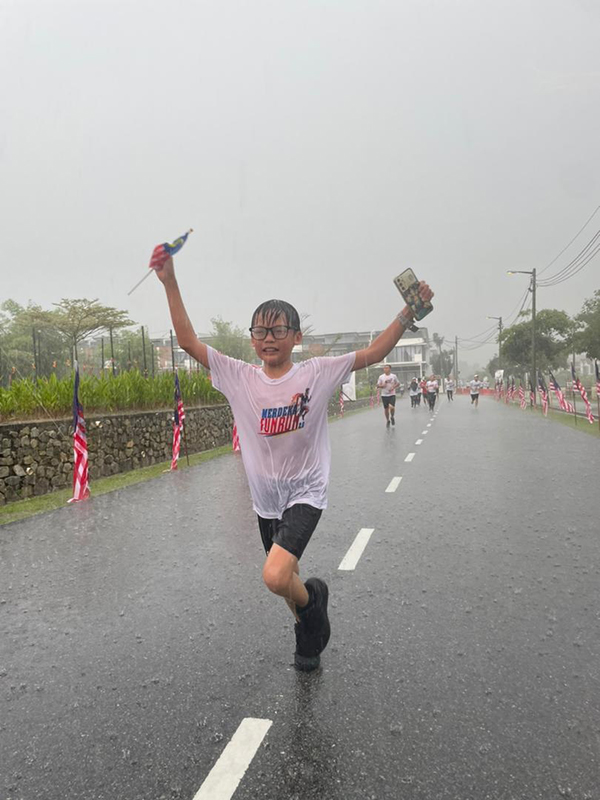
275 352
387 370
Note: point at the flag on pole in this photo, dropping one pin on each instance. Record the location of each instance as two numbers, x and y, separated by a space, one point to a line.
341 403
597 379
543 393
562 400
81 488
522 395
178 419
577 384
162 252
531 392
236 439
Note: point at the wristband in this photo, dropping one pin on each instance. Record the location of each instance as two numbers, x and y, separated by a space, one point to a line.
406 322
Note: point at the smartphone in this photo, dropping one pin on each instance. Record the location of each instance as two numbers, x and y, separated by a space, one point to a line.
408 286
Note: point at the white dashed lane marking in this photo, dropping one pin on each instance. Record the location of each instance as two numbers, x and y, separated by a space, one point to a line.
394 483
224 778
350 560
419 441
424 433
409 457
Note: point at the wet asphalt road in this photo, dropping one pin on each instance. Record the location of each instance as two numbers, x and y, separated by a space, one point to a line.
464 664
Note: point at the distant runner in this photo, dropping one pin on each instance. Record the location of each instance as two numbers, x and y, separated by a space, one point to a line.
450 389
475 385
388 383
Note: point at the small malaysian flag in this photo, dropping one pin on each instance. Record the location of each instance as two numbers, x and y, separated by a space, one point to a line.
341 403
597 380
564 404
522 396
81 488
162 252
178 419
581 389
544 393
235 439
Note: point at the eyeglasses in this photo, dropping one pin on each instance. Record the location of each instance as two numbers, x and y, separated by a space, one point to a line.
279 332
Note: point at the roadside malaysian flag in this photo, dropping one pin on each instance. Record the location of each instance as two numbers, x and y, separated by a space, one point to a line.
597 380
162 252
522 395
81 488
544 393
581 389
235 439
178 419
562 400
341 403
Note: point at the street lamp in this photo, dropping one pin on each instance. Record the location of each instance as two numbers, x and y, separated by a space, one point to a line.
499 340
532 289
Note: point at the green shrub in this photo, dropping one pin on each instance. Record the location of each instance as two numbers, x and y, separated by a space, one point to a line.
130 391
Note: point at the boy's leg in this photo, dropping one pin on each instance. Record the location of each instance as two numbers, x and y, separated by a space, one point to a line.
281 575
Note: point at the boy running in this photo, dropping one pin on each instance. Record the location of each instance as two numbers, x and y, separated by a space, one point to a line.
281 416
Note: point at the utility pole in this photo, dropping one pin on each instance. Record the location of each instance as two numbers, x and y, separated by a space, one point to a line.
112 352
532 289
456 361
533 353
172 351
144 352
499 340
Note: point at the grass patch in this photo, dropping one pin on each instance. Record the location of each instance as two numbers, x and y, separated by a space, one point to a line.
21 509
567 419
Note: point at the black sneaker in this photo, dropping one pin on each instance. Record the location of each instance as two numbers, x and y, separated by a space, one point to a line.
313 629
393 421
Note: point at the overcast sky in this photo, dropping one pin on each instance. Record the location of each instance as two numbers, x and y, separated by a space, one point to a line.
316 148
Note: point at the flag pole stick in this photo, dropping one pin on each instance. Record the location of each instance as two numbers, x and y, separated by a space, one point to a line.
139 283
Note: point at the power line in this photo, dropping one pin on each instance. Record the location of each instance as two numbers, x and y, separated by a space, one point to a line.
572 240
577 264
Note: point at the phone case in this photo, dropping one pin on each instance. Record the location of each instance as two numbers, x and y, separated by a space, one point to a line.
408 286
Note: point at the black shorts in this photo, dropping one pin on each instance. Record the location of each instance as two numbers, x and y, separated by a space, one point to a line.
475 396
390 400
292 531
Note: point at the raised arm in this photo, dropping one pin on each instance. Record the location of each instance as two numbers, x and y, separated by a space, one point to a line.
387 339
186 337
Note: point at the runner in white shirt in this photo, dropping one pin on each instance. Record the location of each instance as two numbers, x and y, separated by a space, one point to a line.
450 389
281 415
414 391
475 386
388 383
432 390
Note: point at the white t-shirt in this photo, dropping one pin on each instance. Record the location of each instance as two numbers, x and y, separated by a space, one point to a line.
432 386
449 385
475 386
387 384
282 425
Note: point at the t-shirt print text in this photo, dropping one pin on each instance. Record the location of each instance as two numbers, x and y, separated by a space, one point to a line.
285 419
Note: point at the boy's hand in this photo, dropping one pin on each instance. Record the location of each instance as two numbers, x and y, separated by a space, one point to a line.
167 272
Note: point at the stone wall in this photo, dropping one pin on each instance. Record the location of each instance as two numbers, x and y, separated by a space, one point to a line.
37 457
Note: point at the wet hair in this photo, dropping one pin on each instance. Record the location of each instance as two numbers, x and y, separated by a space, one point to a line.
271 309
